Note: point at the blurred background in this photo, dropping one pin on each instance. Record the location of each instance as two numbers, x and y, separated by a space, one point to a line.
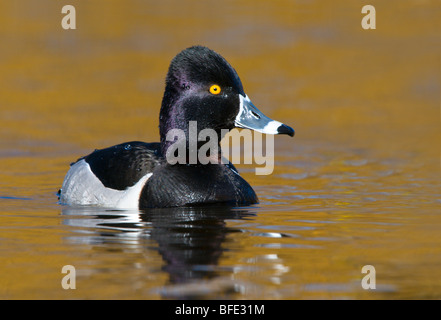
361 178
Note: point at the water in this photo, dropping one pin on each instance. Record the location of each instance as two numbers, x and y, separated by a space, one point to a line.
358 185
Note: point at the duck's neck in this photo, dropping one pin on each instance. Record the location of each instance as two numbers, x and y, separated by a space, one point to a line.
181 151
184 139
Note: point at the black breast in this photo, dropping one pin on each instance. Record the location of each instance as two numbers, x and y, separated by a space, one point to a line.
190 185
123 165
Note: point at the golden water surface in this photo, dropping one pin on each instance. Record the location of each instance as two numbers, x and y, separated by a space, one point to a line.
358 185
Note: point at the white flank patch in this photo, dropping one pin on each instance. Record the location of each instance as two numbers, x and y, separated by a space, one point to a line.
82 187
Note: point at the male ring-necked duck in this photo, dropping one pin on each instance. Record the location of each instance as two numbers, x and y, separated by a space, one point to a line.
200 86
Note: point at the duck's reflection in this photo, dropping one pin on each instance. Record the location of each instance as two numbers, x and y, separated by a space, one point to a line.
188 239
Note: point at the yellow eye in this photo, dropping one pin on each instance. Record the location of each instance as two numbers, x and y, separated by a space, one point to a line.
215 89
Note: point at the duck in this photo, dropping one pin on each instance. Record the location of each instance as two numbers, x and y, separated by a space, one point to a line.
200 87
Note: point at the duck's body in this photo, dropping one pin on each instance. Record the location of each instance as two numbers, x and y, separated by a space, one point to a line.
200 86
136 175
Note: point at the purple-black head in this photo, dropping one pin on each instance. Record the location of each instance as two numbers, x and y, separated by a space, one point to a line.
202 86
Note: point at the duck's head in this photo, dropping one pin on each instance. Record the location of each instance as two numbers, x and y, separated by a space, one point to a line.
202 86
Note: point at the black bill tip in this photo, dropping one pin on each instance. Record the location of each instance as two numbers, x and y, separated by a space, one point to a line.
284 129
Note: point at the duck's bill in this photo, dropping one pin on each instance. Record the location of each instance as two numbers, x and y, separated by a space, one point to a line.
249 117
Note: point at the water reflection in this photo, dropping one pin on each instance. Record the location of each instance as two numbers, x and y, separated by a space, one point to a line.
189 240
